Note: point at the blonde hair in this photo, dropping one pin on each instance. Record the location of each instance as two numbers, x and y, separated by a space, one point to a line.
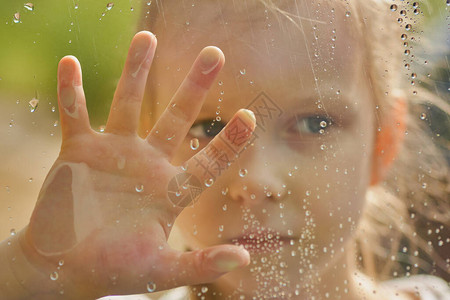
417 185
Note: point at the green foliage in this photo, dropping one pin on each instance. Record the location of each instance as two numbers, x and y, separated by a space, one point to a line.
97 36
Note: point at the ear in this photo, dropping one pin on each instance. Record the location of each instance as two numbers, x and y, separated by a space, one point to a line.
389 139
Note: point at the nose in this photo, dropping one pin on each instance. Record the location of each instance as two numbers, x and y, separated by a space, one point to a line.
255 179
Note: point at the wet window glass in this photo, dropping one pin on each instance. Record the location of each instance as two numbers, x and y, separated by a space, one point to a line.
257 149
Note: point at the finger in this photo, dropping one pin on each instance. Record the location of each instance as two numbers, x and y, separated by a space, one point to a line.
200 266
126 106
71 100
203 168
177 119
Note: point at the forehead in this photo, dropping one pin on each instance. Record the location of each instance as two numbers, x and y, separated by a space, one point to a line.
307 47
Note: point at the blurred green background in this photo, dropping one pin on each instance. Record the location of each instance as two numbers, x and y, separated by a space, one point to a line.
96 32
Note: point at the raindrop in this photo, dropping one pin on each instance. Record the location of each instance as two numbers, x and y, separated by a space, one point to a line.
448 2
209 182
12 232
53 109
404 36
242 71
61 262
225 191
33 104
109 6
16 17
243 172
416 11
102 128
195 144
393 7
413 75
403 12
399 20
139 188
29 6
76 6
224 207
424 185
220 82
408 27
323 124
221 228
54 275
415 4
151 286
407 52
218 119
348 14
204 289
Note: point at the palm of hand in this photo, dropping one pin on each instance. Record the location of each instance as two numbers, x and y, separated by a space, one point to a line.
104 208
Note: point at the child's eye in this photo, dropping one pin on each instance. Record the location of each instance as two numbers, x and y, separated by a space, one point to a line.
206 129
312 124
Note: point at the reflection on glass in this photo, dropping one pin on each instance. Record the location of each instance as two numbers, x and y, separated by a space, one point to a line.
252 150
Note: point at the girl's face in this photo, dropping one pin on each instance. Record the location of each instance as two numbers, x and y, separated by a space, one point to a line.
295 195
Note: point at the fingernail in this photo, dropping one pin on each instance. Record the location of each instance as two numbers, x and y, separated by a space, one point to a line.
209 59
66 87
248 117
226 261
141 48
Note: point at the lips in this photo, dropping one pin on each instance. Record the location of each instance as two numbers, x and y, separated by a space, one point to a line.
261 241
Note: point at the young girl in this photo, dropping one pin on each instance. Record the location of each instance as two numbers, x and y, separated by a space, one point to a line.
282 171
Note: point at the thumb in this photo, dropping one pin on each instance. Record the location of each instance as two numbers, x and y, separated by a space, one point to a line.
203 266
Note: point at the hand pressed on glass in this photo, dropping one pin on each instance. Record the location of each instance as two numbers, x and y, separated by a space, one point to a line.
104 207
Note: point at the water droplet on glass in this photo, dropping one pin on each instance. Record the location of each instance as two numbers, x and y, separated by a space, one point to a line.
12 232
242 172
54 275
403 12
399 20
323 124
408 27
33 104
415 4
139 188
242 71
29 6
151 286
416 11
423 116
61 262
225 191
16 18
404 36
195 144
109 6
224 207
407 52
393 7
209 182
218 119
348 14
